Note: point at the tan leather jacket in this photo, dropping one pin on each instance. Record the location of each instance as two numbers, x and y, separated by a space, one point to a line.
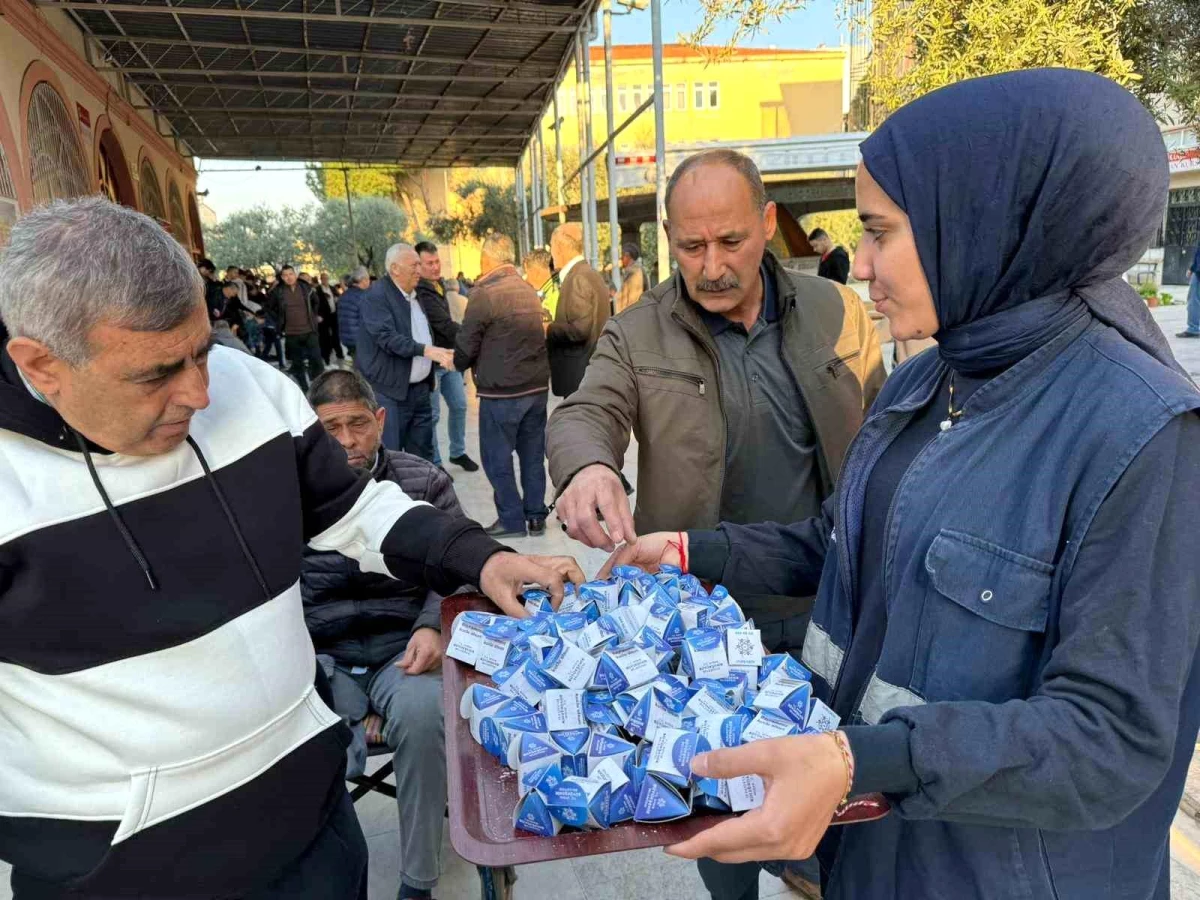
654 373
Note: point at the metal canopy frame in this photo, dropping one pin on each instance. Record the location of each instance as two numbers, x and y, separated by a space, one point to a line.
414 83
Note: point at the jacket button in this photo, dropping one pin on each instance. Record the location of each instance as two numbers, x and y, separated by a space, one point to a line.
986 596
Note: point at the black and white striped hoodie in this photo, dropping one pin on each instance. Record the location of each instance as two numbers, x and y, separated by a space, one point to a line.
160 733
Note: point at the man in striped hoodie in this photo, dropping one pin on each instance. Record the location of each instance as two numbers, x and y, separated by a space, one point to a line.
162 729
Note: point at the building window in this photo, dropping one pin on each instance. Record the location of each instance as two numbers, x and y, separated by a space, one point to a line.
152 198
681 96
623 98
56 165
8 199
637 95
178 217
667 92
707 96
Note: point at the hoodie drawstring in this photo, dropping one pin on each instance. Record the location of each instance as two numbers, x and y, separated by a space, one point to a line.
122 528
131 542
237 532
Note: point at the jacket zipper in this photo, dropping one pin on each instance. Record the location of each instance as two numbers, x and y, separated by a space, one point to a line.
716 363
832 365
678 376
826 488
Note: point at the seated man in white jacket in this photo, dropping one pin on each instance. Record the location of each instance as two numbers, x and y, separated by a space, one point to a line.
161 730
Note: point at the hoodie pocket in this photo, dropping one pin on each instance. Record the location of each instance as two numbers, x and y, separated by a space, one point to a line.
162 792
983 621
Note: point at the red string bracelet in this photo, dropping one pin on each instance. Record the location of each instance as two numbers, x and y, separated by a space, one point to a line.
682 547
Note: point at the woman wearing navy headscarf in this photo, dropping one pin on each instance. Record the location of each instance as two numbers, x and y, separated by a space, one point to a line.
1008 592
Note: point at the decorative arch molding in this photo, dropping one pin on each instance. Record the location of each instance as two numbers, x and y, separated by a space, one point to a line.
111 167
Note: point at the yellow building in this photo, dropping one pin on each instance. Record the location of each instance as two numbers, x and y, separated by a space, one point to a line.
749 95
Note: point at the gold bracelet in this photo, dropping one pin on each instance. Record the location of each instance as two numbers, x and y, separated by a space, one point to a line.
843 745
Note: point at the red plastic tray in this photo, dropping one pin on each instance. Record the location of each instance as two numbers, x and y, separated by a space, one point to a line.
483 793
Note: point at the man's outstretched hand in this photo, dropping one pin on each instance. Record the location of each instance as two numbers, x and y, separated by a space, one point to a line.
596 487
423 653
649 552
505 574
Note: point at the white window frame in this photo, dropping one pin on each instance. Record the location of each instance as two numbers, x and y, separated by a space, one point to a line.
714 95
698 94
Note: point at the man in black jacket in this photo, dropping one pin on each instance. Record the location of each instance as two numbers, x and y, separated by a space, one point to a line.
378 638
835 261
502 338
296 304
448 383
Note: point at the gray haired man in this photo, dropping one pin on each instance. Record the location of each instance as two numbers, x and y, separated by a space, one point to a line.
378 638
396 352
158 493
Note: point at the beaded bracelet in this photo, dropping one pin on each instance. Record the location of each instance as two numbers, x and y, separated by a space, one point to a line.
843 745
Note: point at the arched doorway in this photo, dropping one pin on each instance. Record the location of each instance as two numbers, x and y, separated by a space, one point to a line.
152 198
175 212
112 172
56 163
193 212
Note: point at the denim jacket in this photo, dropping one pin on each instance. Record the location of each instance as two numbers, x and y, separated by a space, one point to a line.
1028 769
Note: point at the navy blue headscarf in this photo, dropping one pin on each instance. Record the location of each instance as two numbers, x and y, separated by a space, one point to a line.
1030 194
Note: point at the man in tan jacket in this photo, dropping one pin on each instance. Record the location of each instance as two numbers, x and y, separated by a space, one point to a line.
743 383
583 308
633 278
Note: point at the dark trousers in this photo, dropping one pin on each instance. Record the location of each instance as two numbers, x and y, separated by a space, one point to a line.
507 425
409 422
331 341
272 341
334 865
304 350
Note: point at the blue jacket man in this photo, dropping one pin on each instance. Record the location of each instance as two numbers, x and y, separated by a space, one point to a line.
396 353
349 308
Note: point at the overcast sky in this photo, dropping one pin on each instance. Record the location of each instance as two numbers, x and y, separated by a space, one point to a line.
282 183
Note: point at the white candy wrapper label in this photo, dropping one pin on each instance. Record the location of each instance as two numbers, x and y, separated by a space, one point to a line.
705 704
744 646
704 650
564 710
766 725
466 642
751 673
492 654
625 667
570 666
745 792
787 696
822 718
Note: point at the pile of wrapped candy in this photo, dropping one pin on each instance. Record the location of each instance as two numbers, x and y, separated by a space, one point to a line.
601 706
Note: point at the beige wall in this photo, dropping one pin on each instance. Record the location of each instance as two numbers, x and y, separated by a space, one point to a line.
42 45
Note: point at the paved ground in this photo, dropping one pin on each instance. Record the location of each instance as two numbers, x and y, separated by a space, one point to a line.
650 873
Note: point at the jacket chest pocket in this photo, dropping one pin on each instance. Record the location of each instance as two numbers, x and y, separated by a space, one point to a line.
984 620
655 378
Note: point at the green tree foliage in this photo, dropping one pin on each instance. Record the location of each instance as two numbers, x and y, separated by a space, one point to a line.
259 236
488 205
843 226
922 45
378 223
309 236
1162 39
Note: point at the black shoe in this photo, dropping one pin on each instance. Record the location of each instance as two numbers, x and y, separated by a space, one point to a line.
1188 334
536 526
497 530
465 462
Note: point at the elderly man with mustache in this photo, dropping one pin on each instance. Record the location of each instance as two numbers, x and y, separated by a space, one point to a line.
744 384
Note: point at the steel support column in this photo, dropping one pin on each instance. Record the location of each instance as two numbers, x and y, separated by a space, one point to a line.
558 166
535 174
614 228
593 252
584 199
522 211
660 140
